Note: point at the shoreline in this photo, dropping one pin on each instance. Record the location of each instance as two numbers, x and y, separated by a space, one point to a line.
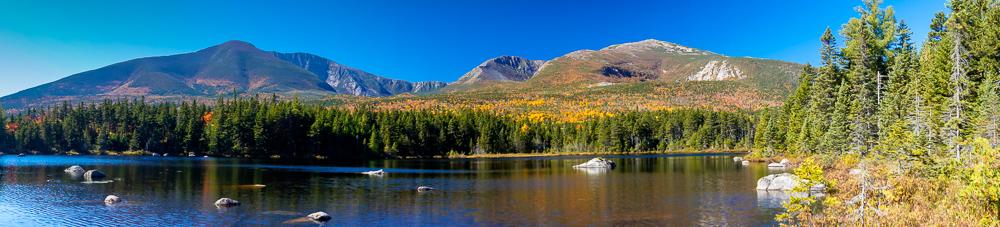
512 155
528 155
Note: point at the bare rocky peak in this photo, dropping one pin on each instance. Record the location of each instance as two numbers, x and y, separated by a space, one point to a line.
348 80
503 68
654 45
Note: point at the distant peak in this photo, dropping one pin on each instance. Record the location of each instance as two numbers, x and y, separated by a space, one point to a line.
239 45
655 45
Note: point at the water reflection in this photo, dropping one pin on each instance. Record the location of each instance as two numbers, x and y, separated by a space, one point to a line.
642 190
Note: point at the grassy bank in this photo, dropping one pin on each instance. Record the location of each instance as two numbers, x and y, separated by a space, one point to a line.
913 195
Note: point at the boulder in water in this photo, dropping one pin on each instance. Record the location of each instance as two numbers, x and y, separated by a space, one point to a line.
319 216
597 163
784 182
156 155
776 165
21 155
376 172
94 174
746 163
424 188
112 199
737 159
226 202
191 155
75 169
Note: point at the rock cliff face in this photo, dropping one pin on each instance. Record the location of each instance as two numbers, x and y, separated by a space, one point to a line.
347 80
504 68
716 70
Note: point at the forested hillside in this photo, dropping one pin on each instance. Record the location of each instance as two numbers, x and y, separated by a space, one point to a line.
255 127
919 128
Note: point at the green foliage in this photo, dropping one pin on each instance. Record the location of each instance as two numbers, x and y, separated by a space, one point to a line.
983 189
800 209
255 127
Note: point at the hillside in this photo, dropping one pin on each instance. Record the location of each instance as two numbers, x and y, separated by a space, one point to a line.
346 80
645 75
218 70
500 69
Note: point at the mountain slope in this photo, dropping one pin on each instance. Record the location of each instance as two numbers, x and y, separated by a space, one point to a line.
503 68
222 69
347 80
588 84
215 70
653 60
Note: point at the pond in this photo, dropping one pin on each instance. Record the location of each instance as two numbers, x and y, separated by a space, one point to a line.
644 190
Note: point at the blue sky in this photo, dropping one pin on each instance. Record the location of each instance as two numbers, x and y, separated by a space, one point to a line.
42 41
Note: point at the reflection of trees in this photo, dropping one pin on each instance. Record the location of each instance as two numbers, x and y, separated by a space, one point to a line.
533 192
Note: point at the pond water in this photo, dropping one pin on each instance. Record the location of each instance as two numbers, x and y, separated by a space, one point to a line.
646 190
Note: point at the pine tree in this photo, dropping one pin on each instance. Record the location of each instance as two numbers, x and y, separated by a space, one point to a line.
825 90
988 124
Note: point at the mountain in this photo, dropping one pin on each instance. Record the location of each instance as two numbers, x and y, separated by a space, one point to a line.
217 70
654 60
587 84
503 68
211 71
346 80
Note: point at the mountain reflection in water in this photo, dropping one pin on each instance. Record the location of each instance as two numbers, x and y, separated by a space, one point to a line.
653 190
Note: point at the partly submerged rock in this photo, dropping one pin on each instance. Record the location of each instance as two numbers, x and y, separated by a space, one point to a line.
774 199
775 165
784 182
112 199
75 169
226 202
156 155
94 175
737 159
746 163
21 155
376 172
424 188
53 181
597 163
319 216
191 155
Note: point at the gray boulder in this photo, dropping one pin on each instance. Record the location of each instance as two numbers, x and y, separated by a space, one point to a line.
775 165
319 216
94 174
746 163
597 163
75 169
226 202
784 182
737 159
112 199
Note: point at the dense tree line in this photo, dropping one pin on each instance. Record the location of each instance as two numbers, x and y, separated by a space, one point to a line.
265 127
933 112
